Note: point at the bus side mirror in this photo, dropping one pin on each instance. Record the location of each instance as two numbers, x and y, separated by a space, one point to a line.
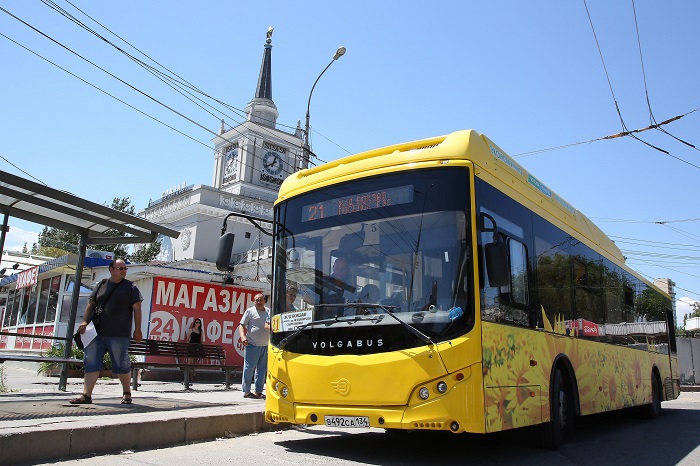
496 255
223 253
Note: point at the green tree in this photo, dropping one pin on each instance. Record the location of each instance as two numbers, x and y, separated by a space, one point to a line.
145 253
696 309
694 313
651 305
54 242
24 248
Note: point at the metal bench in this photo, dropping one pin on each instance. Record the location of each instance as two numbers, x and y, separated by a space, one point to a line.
35 357
184 358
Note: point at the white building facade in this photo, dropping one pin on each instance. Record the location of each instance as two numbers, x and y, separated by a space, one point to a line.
251 160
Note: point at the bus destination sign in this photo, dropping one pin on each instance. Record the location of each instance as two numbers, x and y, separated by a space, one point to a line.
358 203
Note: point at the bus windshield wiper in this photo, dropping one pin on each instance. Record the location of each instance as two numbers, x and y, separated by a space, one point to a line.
410 328
390 310
286 340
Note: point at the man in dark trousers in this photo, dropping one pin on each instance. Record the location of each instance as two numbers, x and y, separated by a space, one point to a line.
112 307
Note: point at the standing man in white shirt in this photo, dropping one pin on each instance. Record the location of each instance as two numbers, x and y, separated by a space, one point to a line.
255 335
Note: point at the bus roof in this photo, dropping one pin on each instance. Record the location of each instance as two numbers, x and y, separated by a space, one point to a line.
491 163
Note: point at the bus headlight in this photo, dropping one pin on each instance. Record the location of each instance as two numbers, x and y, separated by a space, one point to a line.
441 387
284 392
423 393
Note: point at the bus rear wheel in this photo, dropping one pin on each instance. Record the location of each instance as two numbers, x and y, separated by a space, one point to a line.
551 434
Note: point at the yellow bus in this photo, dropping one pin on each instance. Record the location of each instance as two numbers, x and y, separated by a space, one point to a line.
474 299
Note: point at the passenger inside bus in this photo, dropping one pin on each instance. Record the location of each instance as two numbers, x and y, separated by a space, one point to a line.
368 294
291 295
341 290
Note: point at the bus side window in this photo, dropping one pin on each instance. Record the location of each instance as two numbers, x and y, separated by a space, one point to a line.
517 291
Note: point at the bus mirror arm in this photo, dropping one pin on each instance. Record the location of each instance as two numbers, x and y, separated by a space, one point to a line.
495 254
225 246
256 221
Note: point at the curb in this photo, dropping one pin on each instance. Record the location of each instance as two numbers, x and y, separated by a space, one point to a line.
43 445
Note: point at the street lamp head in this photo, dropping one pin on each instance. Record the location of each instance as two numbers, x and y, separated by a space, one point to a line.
339 53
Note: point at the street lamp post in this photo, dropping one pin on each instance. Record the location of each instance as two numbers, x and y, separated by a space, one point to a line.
306 146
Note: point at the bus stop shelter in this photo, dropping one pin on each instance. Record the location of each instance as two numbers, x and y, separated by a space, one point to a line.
35 202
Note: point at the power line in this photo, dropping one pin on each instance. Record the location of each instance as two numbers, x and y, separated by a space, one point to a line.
152 70
662 267
176 80
32 176
661 255
129 85
640 242
611 136
102 90
657 222
172 77
617 107
646 90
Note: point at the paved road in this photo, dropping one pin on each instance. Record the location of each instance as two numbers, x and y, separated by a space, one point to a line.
614 438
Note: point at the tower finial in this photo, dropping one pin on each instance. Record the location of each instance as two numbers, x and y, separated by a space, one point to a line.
269 34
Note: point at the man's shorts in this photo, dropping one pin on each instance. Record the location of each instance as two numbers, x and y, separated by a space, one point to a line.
116 347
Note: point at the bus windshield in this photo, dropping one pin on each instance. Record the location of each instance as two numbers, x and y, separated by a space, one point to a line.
375 264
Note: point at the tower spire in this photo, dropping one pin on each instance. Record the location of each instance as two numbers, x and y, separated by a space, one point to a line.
262 109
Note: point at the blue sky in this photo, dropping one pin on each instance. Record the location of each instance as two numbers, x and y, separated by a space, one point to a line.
529 75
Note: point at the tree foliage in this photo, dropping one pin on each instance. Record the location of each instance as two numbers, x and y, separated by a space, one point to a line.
146 253
55 243
651 305
696 310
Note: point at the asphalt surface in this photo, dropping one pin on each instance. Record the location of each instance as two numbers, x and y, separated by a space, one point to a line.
37 422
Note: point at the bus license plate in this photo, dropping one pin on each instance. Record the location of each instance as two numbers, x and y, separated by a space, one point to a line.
347 421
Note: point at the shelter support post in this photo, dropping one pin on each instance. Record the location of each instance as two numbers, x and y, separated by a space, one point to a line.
2 233
73 310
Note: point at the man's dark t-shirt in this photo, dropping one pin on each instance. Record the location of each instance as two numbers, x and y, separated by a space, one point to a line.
117 313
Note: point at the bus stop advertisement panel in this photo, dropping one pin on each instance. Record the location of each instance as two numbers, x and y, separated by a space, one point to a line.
176 303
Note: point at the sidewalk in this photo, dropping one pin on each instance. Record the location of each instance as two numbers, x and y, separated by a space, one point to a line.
37 423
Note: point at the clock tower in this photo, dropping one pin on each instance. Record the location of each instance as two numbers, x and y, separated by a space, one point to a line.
251 159
254 157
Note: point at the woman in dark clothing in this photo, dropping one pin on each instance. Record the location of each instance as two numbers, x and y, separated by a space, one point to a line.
194 338
194 334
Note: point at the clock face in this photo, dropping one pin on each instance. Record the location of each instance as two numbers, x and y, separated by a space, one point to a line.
272 163
231 166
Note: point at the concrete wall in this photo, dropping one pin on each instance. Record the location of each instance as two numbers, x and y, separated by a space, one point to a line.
689 360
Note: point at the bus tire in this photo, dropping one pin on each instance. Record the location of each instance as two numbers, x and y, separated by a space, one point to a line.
551 434
653 409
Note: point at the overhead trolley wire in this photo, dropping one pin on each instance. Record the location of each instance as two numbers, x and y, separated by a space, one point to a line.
625 131
646 90
611 136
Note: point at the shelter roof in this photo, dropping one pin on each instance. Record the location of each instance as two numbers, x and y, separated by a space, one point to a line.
35 202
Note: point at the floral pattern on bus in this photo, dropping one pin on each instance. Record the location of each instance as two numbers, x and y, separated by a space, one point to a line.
517 365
